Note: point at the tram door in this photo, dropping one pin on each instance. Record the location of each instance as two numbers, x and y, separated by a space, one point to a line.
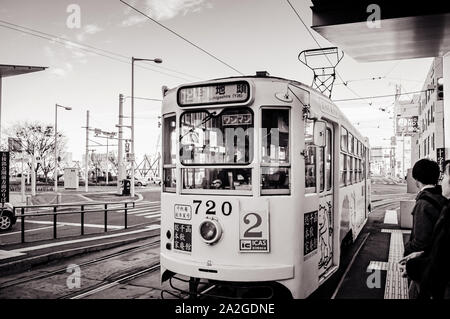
325 215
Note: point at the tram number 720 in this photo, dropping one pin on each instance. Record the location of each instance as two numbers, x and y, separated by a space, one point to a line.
211 207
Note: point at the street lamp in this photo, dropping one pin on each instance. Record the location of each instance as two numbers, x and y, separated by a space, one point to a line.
133 59
56 145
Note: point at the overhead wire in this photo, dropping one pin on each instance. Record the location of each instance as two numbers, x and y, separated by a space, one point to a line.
87 48
95 48
380 96
318 44
182 37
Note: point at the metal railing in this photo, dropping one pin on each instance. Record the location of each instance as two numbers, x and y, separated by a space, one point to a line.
55 213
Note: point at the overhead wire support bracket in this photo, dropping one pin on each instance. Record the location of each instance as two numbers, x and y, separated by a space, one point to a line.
324 76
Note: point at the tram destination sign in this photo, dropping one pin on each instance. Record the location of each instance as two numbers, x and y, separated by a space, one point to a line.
4 177
215 93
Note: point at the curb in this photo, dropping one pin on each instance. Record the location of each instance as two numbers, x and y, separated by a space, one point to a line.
26 264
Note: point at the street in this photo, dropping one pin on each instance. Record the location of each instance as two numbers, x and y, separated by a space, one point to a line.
131 270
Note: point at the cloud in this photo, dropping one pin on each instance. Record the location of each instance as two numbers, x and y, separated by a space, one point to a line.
165 10
92 29
133 20
59 72
88 29
48 52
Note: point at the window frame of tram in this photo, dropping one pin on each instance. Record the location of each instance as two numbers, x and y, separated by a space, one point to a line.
318 157
275 150
169 152
351 159
215 174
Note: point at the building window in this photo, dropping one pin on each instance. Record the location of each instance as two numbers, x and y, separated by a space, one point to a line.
432 142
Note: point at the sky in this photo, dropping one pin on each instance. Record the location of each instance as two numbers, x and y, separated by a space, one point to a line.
249 36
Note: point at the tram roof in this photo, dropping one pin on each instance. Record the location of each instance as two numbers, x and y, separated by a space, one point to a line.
348 125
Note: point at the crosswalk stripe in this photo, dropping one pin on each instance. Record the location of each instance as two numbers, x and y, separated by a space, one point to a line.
150 213
137 212
154 216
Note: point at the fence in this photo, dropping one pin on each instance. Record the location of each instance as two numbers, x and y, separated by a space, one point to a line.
113 206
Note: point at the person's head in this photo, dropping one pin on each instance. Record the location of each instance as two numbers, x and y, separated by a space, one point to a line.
446 179
425 172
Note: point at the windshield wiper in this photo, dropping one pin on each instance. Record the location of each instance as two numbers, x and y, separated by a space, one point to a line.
206 119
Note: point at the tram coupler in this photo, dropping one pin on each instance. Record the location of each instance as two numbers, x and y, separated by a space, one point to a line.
193 287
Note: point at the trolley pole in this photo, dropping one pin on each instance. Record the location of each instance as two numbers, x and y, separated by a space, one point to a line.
86 159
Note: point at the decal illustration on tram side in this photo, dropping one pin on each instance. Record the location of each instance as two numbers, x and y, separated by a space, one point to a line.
325 235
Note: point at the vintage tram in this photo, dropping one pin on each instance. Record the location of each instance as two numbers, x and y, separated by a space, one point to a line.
264 179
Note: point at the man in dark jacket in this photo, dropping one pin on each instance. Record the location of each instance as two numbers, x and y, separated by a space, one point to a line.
435 280
429 203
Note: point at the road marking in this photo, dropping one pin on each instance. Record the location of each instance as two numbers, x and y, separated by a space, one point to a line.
43 222
390 217
22 250
396 286
144 211
86 198
153 216
150 213
29 230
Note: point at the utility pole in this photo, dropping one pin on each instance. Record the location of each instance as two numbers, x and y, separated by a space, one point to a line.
120 150
107 160
86 160
33 175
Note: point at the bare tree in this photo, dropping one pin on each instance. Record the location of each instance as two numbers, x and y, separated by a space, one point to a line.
38 140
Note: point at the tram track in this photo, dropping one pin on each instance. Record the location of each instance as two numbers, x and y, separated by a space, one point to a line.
108 284
46 275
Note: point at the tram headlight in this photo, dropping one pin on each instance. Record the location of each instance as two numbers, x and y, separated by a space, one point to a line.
210 231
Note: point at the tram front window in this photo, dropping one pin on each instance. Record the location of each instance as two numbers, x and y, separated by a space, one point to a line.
210 139
217 178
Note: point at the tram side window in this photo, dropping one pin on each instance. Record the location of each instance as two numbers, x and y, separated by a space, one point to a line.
351 170
344 139
348 171
343 168
169 140
310 158
351 143
275 164
321 168
329 154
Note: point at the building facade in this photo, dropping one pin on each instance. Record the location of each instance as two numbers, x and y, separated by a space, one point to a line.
406 128
430 142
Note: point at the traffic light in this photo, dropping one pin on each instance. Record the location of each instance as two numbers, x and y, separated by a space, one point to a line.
440 89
